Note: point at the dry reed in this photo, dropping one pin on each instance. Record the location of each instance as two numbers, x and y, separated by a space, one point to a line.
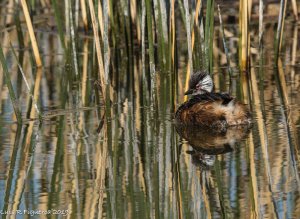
31 34
98 47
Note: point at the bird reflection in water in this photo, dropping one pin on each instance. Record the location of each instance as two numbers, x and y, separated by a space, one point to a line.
207 143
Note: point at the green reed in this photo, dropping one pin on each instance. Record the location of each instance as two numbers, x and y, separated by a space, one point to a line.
10 176
161 37
8 82
261 17
59 23
188 34
280 26
209 35
224 43
73 38
26 83
151 51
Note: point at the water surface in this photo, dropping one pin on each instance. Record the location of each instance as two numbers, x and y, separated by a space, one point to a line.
130 160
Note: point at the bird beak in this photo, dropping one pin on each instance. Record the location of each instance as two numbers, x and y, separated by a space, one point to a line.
190 91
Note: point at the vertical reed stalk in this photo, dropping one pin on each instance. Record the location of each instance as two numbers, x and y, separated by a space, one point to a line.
10 87
257 102
31 34
279 33
73 40
150 36
105 39
224 43
209 34
287 114
35 96
204 194
26 83
172 45
295 45
182 13
221 191
198 7
188 34
84 72
143 27
12 168
112 22
261 17
67 17
59 23
151 50
76 13
164 14
244 35
295 9
172 41
254 186
294 52
160 34
98 47
100 18
84 14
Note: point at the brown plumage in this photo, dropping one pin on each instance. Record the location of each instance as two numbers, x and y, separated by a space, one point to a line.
213 109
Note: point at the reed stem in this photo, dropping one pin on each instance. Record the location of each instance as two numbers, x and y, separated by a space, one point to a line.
224 43
295 9
10 87
84 14
209 34
31 34
244 34
261 17
26 83
151 51
98 47
279 33
188 34
198 7
58 19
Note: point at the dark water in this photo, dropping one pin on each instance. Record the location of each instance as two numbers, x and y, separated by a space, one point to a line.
130 161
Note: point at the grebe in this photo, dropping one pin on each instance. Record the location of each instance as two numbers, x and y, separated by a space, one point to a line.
209 109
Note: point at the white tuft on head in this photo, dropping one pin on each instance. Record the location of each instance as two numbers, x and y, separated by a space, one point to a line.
204 86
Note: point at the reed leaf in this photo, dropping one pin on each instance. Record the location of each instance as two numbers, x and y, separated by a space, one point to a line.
209 34
151 51
10 87
84 15
172 40
280 26
261 17
59 23
188 34
224 43
105 37
295 9
26 83
73 40
198 7
98 47
160 33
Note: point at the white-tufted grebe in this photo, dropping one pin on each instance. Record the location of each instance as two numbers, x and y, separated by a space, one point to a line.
206 108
